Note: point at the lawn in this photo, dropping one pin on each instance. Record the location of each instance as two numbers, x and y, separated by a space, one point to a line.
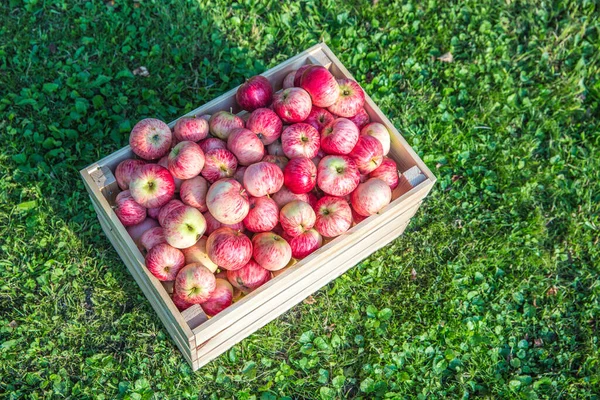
492 292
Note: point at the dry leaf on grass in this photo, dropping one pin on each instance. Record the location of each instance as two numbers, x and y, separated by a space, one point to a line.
141 71
446 58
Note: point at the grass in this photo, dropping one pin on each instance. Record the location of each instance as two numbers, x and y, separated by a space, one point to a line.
492 292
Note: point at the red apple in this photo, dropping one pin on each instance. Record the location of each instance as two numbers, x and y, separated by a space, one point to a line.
164 162
305 243
379 132
334 216
219 299
222 123
285 195
197 253
184 226
203 116
193 192
317 159
186 160
229 249
387 172
152 185
371 197
164 261
337 175
153 212
194 283
152 237
275 148
300 140
212 143
319 118
292 104
249 277
339 136
263 214
299 72
351 99
367 154
296 217
288 81
313 197
218 164
255 93
239 174
263 178
150 139
192 129
128 210
320 85
180 303
361 119
227 201
167 208
271 251
246 146
300 175
265 124
125 170
212 224
357 218
280 161
136 231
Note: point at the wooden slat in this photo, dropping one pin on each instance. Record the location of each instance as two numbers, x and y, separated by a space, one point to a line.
194 315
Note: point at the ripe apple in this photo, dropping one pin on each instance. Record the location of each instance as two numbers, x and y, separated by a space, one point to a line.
271 251
164 261
263 214
167 208
222 123
184 226
212 143
203 116
367 154
263 178
197 253
229 249
370 197
280 161
285 195
361 119
334 216
296 217
125 169
136 231
320 85
239 174
218 164
194 283
186 160
249 277
152 237
246 146
357 218
212 224
387 172
153 212
164 162
337 175
288 81
319 118
314 196
292 104
300 175
339 136
275 148
219 299
150 139
152 185
180 303
265 124
192 129
128 210
193 192
227 201
317 159
255 93
299 72
305 243
300 140
351 100
379 132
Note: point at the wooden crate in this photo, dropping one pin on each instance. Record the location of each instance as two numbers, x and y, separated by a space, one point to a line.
202 340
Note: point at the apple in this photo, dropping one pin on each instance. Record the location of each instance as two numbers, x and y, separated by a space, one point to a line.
292 104
128 210
379 132
219 299
150 139
317 159
296 217
164 261
319 118
152 185
263 178
184 226
227 201
180 303
125 169
339 136
271 251
313 197
320 85
249 277
186 160
370 197
334 216
280 161
300 175
265 124
246 146
387 172
285 195
255 93
337 175
136 231
275 148
222 123
300 140
212 143
212 224
367 154
197 253
357 217
194 283
218 164
239 174
167 208
229 249
305 243
192 129
263 214
153 212
361 119
299 72
288 81
164 162
193 192
203 116
351 99
152 237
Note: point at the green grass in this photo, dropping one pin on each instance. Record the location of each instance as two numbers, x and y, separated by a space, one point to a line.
492 292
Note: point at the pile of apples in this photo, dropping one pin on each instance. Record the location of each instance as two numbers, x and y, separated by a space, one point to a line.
222 203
